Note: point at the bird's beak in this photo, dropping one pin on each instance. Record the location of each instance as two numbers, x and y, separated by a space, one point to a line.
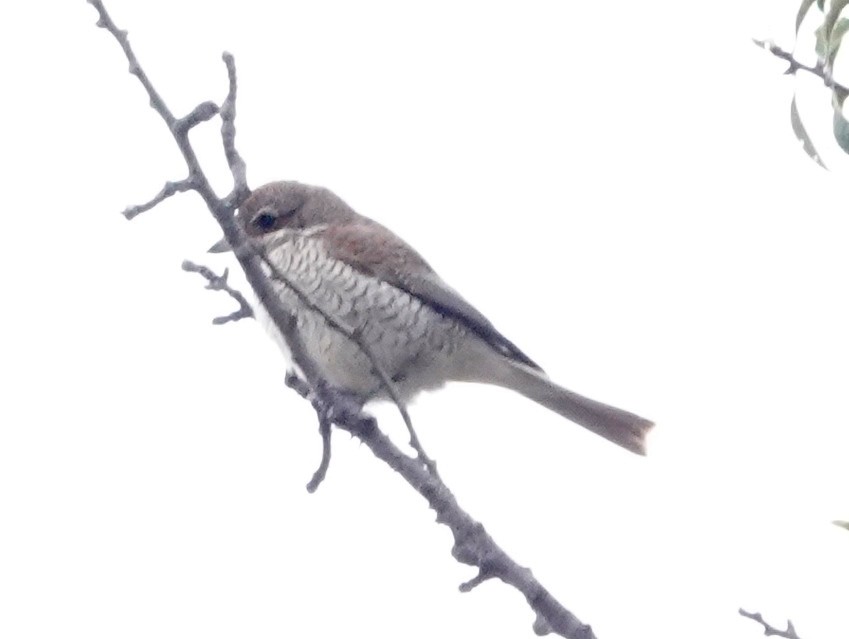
221 246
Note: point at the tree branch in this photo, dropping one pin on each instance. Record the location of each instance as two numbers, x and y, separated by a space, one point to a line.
219 283
324 422
222 210
769 630
228 136
170 188
795 65
472 544
104 21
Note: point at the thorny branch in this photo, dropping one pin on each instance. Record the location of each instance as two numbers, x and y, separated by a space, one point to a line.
472 544
789 633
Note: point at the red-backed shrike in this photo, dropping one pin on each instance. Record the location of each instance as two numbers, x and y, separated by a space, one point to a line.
421 331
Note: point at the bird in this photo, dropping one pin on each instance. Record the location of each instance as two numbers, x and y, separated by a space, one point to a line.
420 330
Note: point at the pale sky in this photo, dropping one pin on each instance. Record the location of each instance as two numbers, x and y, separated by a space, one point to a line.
615 184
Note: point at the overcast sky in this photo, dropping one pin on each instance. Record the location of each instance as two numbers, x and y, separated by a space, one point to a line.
615 184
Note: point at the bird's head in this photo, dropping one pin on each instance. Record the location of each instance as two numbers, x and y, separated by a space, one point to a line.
279 206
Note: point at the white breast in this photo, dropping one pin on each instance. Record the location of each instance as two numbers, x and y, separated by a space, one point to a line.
413 343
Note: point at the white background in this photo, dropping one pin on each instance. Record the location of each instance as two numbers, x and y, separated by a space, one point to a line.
615 184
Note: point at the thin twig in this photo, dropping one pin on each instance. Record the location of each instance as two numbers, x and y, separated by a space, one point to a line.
104 21
170 188
789 633
795 65
201 113
219 283
222 210
321 472
228 135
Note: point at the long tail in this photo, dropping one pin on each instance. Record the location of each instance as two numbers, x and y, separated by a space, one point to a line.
619 426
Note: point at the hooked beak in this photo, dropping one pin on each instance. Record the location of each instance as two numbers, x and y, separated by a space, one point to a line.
221 246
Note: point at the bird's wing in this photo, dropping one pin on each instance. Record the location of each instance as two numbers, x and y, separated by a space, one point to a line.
374 250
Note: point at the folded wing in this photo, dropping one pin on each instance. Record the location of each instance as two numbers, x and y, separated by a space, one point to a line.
374 250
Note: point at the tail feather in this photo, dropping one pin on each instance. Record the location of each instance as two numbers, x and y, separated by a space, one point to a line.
616 425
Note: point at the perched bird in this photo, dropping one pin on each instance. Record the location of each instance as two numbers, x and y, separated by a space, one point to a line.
421 331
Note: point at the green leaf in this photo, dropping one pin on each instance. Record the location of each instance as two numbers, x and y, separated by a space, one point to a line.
836 39
803 11
821 46
832 15
802 135
840 123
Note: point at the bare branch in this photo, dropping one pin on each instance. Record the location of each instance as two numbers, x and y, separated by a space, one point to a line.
321 472
219 283
201 113
324 423
170 188
156 101
228 135
222 210
789 633
472 544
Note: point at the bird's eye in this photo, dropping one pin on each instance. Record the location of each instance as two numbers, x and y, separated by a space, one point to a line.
265 221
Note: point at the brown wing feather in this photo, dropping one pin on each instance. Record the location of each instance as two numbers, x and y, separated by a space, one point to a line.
374 250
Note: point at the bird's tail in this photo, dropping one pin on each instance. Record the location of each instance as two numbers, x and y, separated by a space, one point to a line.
618 426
